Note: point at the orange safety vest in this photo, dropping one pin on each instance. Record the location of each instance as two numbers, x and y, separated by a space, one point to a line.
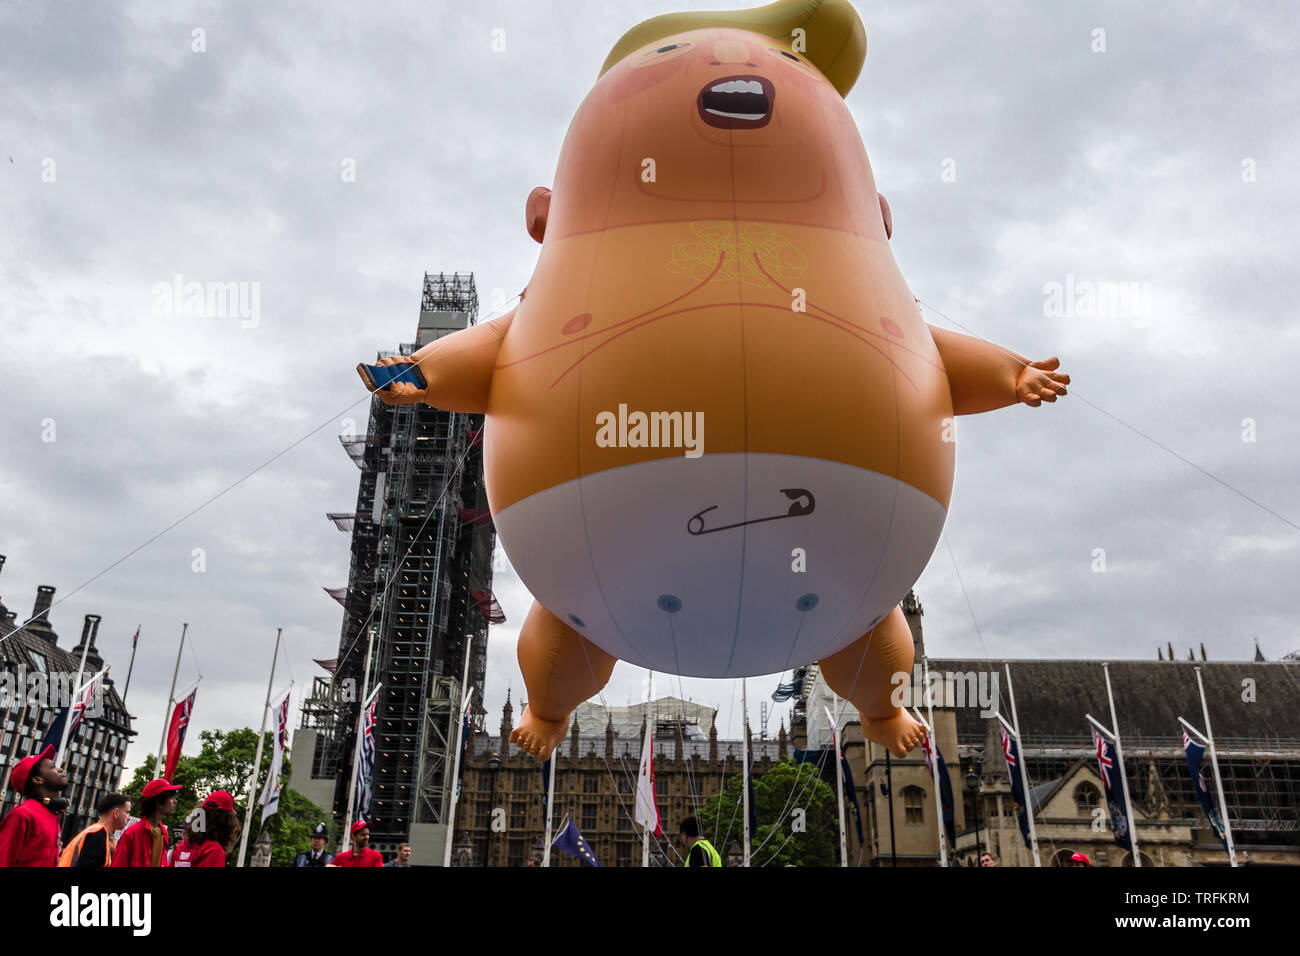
73 850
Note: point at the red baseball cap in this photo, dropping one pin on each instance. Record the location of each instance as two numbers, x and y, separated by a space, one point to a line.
359 826
155 787
23 769
221 800
1081 858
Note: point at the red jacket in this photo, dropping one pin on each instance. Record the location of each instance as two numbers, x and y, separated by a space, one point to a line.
366 857
207 853
29 836
136 845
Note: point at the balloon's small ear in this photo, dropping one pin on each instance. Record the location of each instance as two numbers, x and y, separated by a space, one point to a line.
886 215
536 210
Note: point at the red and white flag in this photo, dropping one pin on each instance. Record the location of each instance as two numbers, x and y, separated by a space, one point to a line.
176 732
647 804
271 792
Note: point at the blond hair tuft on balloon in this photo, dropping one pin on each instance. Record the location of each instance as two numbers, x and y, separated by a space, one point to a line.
832 38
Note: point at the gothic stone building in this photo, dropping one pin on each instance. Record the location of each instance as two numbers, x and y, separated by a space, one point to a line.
594 783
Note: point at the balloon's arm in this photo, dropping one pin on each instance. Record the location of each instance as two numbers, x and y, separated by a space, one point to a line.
457 369
983 376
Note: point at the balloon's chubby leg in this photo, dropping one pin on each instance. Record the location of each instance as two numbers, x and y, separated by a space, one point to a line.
561 669
866 672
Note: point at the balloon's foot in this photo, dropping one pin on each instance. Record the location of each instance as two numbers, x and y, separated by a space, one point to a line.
537 736
899 733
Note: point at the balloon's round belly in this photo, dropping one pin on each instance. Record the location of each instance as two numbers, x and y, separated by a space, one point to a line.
723 565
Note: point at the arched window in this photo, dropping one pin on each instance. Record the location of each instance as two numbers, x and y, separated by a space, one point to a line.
914 806
1086 798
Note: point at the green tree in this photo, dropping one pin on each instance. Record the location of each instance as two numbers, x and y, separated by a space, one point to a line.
225 762
781 791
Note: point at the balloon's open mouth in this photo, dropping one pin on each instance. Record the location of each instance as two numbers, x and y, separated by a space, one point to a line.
737 102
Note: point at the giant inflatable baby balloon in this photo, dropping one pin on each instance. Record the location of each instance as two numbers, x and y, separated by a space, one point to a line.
719 433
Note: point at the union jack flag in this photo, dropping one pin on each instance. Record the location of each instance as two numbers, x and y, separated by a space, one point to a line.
84 700
1103 757
366 764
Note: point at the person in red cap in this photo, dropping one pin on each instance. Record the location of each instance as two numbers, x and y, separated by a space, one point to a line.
145 842
360 854
210 832
1080 859
29 834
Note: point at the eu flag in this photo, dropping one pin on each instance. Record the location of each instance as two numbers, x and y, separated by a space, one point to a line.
571 842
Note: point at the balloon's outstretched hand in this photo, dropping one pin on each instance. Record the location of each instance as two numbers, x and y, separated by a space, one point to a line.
1039 382
400 393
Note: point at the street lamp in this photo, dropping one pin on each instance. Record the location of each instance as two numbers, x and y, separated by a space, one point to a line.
973 785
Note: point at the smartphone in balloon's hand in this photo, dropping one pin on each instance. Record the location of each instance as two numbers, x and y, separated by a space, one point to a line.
379 377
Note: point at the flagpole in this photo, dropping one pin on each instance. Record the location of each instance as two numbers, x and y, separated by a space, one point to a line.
167 714
645 830
67 719
1218 777
744 707
934 760
550 805
839 780
455 766
356 747
1123 775
1024 772
135 642
257 759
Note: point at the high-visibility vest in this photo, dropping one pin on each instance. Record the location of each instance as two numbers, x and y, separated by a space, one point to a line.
73 850
715 858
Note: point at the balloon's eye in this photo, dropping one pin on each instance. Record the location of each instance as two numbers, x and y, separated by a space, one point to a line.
657 55
788 56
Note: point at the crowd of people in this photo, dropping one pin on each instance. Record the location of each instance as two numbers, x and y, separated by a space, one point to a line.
29 833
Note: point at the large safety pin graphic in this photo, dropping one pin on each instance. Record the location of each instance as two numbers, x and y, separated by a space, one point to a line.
797 509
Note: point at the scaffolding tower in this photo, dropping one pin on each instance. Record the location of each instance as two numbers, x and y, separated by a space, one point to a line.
422 542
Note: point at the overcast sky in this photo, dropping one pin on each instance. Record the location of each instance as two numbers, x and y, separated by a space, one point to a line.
1014 151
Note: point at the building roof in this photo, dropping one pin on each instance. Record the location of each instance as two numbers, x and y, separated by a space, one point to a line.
36 650
1249 701
627 721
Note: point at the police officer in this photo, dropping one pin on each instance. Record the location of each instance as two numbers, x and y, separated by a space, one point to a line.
699 851
316 856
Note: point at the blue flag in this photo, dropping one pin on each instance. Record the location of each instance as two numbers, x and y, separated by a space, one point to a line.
785 691
1113 781
945 789
546 785
1194 753
571 842
852 789
1011 752
465 731
54 733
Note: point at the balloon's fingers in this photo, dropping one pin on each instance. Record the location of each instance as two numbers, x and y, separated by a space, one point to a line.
1048 364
